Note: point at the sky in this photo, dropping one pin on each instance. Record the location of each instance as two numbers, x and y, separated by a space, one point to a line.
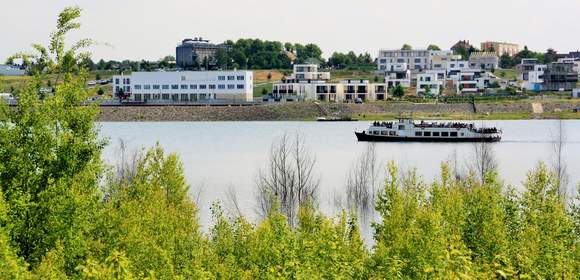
150 29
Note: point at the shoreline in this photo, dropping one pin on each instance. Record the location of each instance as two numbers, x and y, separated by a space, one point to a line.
310 111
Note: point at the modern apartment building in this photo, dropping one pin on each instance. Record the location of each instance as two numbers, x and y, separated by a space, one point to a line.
186 86
416 60
531 74
306 83
560 76
429 83
500 48
397 74
484 60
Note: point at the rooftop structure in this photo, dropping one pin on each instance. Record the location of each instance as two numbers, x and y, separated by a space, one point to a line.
9 70
196 53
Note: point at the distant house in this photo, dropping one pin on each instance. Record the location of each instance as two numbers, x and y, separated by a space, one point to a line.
484 60
429 83
9 70
576 93
397 74
560 76
531 74
500 48
307 83
193 53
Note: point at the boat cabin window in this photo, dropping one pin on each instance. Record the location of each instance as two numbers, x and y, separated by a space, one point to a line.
384 132
462 134
376 132
453 134
401 127
427 133
418 133
392 133
444 134
435 133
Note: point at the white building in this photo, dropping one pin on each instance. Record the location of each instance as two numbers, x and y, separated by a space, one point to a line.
531 74
484 60
429 82
416 60
309 72
397 74
306 83
186 86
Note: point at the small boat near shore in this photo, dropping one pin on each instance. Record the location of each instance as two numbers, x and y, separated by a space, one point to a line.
408 130
336 119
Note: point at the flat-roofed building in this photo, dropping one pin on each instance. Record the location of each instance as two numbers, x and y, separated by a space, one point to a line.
560 76
429 83
185 86
500 48
484 60
306 83
416 60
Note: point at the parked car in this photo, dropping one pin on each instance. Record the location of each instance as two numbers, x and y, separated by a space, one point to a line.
576 110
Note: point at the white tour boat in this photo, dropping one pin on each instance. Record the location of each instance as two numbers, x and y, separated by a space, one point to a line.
409 130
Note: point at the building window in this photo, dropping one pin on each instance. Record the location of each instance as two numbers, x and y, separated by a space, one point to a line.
165 96
183 87
147 96
137 86
117 81
137 97
156 96
418 133
231 86
240 78
155 86
183 78
212 86
174 86
221 86
221 78
241 86
202 86
146 86
165 86
231 78
184 97
192 86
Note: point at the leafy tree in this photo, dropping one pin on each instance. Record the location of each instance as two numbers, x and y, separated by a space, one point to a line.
100 91
406 47
51 161
398 91
433 48
506 61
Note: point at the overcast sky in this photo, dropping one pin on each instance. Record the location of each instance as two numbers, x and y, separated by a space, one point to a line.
150 29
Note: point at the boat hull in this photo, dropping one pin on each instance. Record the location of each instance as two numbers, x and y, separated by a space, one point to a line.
382 138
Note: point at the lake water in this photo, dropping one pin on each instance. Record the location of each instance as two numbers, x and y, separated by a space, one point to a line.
218 156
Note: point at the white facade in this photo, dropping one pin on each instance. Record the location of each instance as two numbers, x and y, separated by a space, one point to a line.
186 86
397 74
429 82
309 72
416 60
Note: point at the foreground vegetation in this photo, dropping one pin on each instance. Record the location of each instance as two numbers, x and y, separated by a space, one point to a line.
66 215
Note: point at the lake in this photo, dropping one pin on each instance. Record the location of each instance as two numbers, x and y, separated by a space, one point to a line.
218 156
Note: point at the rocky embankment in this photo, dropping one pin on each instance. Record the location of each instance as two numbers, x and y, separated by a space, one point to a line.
310 111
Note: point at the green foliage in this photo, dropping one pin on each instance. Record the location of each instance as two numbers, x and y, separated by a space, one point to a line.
398 91
465 229
350 60
433 48
406 47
